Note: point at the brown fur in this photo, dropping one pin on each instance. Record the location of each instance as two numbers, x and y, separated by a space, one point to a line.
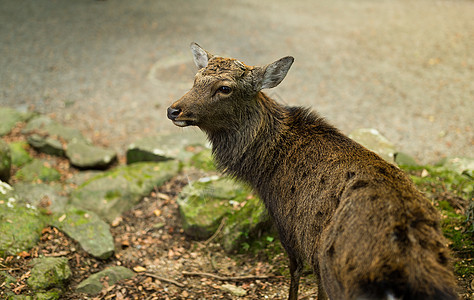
358 220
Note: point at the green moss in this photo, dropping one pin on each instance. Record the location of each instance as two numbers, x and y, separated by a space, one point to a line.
20 156
203 160
444 205
36 170
464 268
111 195
453 229
434 179
52 294
6 278
49 272
20 228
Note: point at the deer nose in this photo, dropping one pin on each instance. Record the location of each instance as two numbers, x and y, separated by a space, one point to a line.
173 113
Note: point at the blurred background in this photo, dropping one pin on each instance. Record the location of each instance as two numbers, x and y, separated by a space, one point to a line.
111 68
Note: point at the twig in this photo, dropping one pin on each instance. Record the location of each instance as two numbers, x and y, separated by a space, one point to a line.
219 229
231 278
61 253
307 296
165 280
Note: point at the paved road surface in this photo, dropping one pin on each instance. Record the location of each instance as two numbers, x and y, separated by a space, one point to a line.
110 68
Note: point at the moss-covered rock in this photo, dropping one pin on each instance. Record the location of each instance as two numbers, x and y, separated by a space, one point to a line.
49 136
19 297
86 156
41 195
460 165
88 229
20 156
49 272
46 144
245 223
20 224
165 147
113 192
6 280
10 117
204 204
203 160
5 161
403 159
93 284
37 170
52 294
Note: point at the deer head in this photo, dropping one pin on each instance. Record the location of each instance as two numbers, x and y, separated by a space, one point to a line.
224 90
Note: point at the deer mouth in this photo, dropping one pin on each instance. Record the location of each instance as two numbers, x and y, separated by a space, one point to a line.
181 123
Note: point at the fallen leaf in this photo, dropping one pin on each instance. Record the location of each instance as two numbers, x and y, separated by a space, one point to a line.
139 269
62 218
424 173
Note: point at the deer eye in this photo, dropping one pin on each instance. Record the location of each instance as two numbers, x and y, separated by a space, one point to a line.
224 89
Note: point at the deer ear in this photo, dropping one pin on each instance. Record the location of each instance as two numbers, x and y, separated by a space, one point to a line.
201 56
275 72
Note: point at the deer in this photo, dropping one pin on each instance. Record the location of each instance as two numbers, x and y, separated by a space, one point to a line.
356 219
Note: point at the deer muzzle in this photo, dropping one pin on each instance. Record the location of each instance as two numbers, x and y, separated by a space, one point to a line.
173 115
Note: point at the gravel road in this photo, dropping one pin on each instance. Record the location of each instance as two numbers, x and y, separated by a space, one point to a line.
110 68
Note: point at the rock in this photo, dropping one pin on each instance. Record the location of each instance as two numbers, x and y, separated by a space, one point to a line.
459 165
10 117
49 272
234 290
403 159
46 145
93 284
37 170
203 205
244 223
50 137
373 140
83 176
42 195
203 160
20 156
7 193
111 193
5 161
85 156
20 297
21 224
88 230
6 277
164 147
52 294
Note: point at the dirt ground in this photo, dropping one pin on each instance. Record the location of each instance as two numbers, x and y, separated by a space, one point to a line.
149 239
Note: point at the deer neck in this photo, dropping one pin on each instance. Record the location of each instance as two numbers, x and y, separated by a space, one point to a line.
244 150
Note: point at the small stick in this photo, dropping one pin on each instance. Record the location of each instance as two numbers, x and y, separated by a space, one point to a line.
307 296
219 229
165 279
231 278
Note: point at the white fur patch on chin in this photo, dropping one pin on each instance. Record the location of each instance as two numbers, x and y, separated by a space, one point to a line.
180 123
